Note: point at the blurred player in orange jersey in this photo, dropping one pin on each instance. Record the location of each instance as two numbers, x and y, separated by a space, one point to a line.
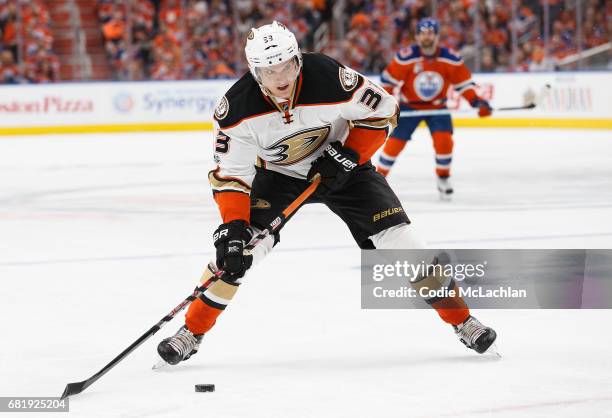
423 74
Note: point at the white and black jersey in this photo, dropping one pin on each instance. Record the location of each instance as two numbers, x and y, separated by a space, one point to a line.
252 128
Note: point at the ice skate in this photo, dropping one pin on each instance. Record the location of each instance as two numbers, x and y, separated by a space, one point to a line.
476 336
445 188
179 347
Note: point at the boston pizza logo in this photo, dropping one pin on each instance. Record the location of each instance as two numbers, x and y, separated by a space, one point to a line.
428 84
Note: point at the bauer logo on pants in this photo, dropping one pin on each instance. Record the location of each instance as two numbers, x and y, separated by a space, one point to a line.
385 213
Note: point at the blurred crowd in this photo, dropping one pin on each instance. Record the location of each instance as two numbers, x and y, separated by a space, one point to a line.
186 39
495 19
392 25
30 26
194 39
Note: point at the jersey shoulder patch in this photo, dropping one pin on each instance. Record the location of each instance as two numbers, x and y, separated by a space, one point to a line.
450 55
222 109
325 80
348 78
408 53
244 99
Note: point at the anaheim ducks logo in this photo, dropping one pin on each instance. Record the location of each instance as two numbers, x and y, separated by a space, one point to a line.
298 146
222 109
348 79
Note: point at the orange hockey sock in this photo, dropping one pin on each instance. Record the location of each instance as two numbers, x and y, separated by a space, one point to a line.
452 309
393 147
203 312
201 317
443 144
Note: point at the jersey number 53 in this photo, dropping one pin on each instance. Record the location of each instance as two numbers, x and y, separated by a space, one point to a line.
370 99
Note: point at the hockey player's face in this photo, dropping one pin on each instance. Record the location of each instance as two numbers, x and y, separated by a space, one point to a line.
427 39
279 79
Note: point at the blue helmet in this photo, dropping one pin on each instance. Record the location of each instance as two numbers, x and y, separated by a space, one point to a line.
428 23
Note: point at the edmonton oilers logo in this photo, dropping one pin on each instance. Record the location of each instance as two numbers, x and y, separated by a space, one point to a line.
123 102
428 85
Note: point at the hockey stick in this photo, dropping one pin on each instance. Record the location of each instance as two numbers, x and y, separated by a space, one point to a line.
435 112
78 387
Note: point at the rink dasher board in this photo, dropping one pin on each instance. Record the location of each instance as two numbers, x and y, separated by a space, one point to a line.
574 101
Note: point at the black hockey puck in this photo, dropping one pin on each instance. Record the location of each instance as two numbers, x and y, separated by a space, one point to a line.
205 388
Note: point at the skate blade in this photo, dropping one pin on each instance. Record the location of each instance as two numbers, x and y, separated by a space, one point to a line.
492 350
159 365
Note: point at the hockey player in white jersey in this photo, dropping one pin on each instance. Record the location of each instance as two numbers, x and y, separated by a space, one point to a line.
291 117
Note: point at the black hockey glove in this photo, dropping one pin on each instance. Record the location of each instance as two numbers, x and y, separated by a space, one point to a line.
335 166
229 240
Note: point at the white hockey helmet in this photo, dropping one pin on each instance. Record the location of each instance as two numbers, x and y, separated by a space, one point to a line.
270 45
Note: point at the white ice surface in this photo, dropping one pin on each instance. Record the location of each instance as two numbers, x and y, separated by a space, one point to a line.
101 235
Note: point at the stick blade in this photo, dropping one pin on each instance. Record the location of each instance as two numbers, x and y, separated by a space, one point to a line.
73 389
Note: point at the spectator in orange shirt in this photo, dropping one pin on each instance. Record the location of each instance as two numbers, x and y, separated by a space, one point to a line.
114 29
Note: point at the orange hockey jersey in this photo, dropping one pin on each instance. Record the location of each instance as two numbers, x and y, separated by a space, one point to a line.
423 81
